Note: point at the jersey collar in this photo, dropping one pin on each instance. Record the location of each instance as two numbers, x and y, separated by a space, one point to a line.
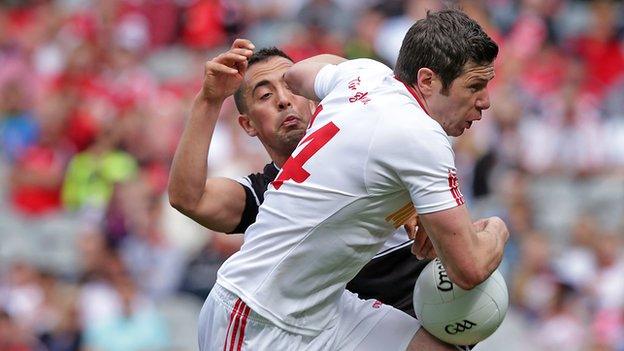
415 95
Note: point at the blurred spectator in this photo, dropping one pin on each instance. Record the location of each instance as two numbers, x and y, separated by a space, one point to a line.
561 327
201 272
534 283
38 172
12 338
133 324
599 48
18 128
203 25
91 174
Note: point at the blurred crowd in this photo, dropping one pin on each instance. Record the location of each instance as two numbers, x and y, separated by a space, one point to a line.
94 95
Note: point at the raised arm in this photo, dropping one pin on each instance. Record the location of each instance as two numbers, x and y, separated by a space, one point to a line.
469 251
216 203
300 77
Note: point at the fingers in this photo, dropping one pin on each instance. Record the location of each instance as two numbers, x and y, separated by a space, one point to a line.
212 66
411 226
428 251
230 58
243 43
421 242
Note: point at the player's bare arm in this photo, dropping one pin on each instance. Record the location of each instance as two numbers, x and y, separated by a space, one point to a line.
469 251
216 203
300 77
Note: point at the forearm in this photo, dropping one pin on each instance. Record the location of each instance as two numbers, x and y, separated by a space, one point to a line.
490 249
324 58
301 76
189 169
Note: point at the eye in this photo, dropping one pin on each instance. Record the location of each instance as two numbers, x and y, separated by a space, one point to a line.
265 96
476 87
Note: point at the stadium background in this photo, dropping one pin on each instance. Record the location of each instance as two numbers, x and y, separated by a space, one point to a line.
93 97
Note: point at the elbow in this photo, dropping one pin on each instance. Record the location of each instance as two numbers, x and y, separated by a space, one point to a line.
292 80
179 202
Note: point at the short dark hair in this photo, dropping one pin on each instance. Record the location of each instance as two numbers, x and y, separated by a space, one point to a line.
444 42
259 56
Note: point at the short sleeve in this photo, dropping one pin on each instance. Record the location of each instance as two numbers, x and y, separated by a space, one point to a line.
325 80
429 172
420 161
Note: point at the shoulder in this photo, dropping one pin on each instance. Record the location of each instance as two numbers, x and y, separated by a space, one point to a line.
351 69
410 134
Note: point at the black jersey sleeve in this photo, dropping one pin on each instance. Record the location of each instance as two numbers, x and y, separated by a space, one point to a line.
255 186
390 279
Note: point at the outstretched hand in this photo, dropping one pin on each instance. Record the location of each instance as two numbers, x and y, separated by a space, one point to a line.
224 74
422 247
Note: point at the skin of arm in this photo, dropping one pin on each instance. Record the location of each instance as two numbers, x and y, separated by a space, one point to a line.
216 203
469 251
301 76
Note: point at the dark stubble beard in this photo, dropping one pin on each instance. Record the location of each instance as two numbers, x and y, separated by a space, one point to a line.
291 139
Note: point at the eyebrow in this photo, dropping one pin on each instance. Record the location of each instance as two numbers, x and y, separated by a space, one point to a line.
260 84
478 80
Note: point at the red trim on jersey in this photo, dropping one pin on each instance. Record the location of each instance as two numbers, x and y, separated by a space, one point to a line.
318 110
241 336
232 315
454 185
415 95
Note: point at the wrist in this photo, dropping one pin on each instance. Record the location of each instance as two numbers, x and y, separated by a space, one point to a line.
203 97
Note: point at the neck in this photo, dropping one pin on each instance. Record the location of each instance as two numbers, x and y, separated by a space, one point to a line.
420 98
279 158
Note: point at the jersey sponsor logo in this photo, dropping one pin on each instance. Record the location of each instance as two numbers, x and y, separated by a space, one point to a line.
400 216
360 96
354 83
293 168
454 185
459 327
444 283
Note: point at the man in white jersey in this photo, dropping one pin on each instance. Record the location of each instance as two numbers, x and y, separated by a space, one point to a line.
378 144
265 104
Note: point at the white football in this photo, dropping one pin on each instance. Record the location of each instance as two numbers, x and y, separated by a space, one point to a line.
455 315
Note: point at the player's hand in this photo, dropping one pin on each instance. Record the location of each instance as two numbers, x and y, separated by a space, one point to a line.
422 247
494 225
224 74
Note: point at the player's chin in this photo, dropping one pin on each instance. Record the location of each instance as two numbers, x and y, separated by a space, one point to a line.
294 135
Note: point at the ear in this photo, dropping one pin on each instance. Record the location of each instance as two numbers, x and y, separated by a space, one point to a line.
425 79
247 125
312 105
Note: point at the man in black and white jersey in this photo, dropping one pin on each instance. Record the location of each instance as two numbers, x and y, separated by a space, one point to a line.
231 206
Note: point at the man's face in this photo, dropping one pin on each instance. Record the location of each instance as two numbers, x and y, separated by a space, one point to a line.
279 117
463 101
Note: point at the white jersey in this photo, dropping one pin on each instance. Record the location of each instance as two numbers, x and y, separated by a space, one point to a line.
370 152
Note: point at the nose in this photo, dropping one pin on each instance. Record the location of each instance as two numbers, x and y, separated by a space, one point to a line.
483 101
284 98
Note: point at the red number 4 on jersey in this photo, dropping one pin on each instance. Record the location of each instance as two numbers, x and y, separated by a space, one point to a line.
293 168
